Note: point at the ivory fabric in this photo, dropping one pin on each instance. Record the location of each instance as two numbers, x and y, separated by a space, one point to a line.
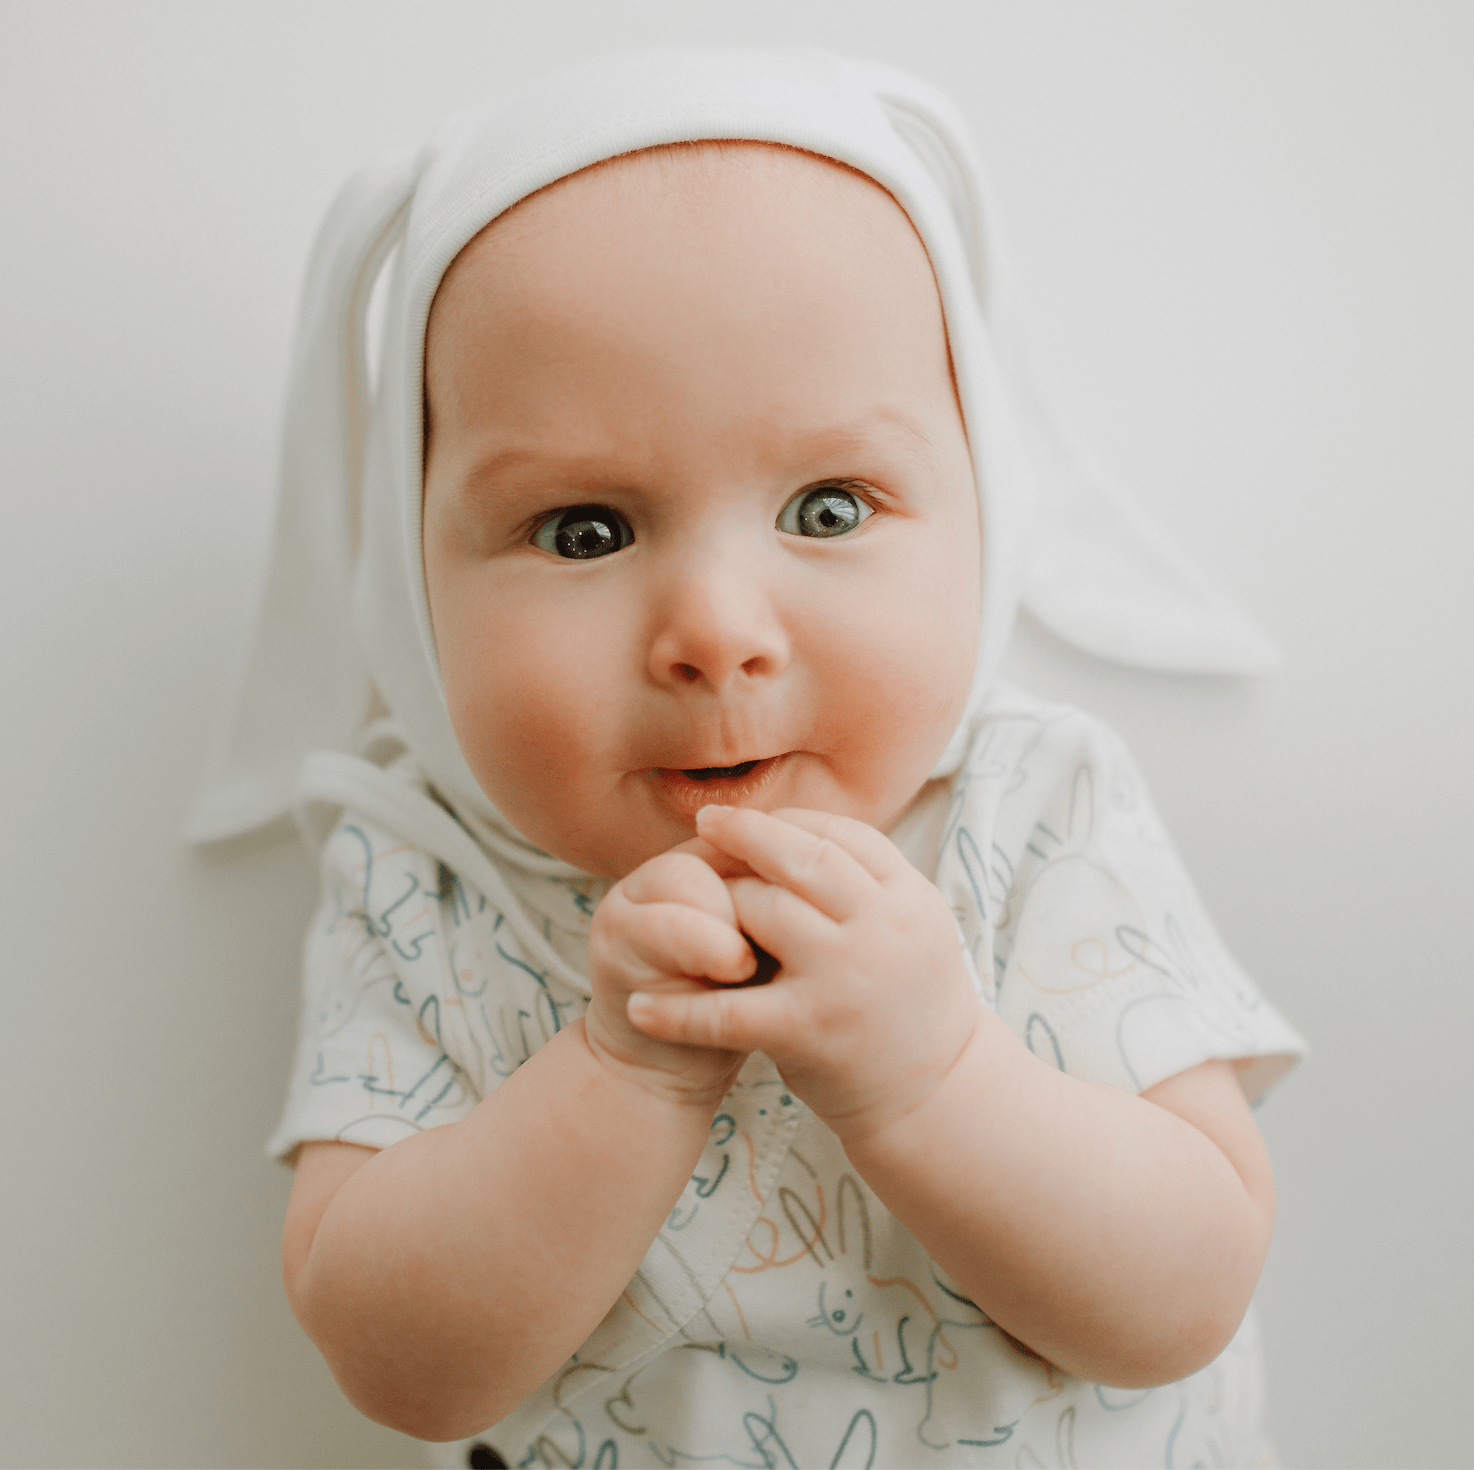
343 629
782 1316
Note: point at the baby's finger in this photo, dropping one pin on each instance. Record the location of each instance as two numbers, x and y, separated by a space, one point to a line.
815 868
726 1020
657 940
721 863
678 877
784 924
874 851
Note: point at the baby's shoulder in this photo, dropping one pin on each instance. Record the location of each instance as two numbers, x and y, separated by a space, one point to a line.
397 853
1031 753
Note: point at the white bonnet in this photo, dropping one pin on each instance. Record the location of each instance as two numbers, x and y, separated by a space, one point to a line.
344 623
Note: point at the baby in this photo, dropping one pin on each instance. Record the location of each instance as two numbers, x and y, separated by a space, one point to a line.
794 1048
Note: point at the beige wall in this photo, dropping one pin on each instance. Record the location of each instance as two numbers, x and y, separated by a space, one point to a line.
1243 234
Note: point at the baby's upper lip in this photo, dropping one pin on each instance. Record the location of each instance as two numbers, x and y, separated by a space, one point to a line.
719 761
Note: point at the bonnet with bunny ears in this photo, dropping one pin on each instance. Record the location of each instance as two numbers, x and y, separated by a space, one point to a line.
344 628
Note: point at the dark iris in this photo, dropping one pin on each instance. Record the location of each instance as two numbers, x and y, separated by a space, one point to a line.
588 531
828 513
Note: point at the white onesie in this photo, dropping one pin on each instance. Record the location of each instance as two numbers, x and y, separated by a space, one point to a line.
782 1316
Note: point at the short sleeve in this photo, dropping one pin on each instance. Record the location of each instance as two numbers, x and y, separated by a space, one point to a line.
373 1064
1087 933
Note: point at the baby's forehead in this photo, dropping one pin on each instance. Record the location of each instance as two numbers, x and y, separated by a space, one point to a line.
714 190
736 242
699 175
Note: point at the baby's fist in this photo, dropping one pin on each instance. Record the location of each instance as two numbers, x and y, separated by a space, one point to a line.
874 1002
663 930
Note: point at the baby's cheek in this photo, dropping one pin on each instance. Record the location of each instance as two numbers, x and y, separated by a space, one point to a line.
523 736
907 666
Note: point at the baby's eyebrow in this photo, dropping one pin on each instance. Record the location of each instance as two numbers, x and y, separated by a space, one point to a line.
879 429
885 430
509 463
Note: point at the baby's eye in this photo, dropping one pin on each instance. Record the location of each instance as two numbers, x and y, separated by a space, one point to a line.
827 511
584 531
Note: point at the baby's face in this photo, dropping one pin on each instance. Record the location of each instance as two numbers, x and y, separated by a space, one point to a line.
699 518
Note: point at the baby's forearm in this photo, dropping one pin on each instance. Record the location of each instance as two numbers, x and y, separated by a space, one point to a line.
453 1272
1104 1232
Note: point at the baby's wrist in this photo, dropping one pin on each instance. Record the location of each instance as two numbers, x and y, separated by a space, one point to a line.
697 1091
897 1121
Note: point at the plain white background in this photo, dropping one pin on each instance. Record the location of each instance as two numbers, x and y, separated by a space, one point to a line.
1243 236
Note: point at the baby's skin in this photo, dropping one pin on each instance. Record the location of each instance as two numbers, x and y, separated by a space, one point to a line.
702 548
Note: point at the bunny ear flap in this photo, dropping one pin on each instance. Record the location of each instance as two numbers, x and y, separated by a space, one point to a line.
304 683
1104 578
1095 570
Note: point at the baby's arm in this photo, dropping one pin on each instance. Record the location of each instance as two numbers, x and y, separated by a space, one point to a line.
444 1278
1119 1237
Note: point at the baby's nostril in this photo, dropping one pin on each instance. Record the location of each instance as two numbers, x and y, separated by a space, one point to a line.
689 672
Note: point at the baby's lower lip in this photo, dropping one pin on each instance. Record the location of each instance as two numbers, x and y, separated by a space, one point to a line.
699 786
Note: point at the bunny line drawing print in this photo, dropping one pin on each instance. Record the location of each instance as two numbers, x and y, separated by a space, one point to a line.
738 1029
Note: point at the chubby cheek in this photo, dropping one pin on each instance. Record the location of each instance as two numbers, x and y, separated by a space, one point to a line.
897 672
526 710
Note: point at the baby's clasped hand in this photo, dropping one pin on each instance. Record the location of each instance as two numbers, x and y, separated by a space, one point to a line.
659 932
873 1003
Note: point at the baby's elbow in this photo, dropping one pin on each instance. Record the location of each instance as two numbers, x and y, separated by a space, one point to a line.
1187 1348
394 1409
434 1419
1196 1324
431 1408
404 1379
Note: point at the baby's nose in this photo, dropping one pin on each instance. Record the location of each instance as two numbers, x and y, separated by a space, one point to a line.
716 627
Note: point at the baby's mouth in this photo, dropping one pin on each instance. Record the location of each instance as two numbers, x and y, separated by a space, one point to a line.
720 773
690 788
